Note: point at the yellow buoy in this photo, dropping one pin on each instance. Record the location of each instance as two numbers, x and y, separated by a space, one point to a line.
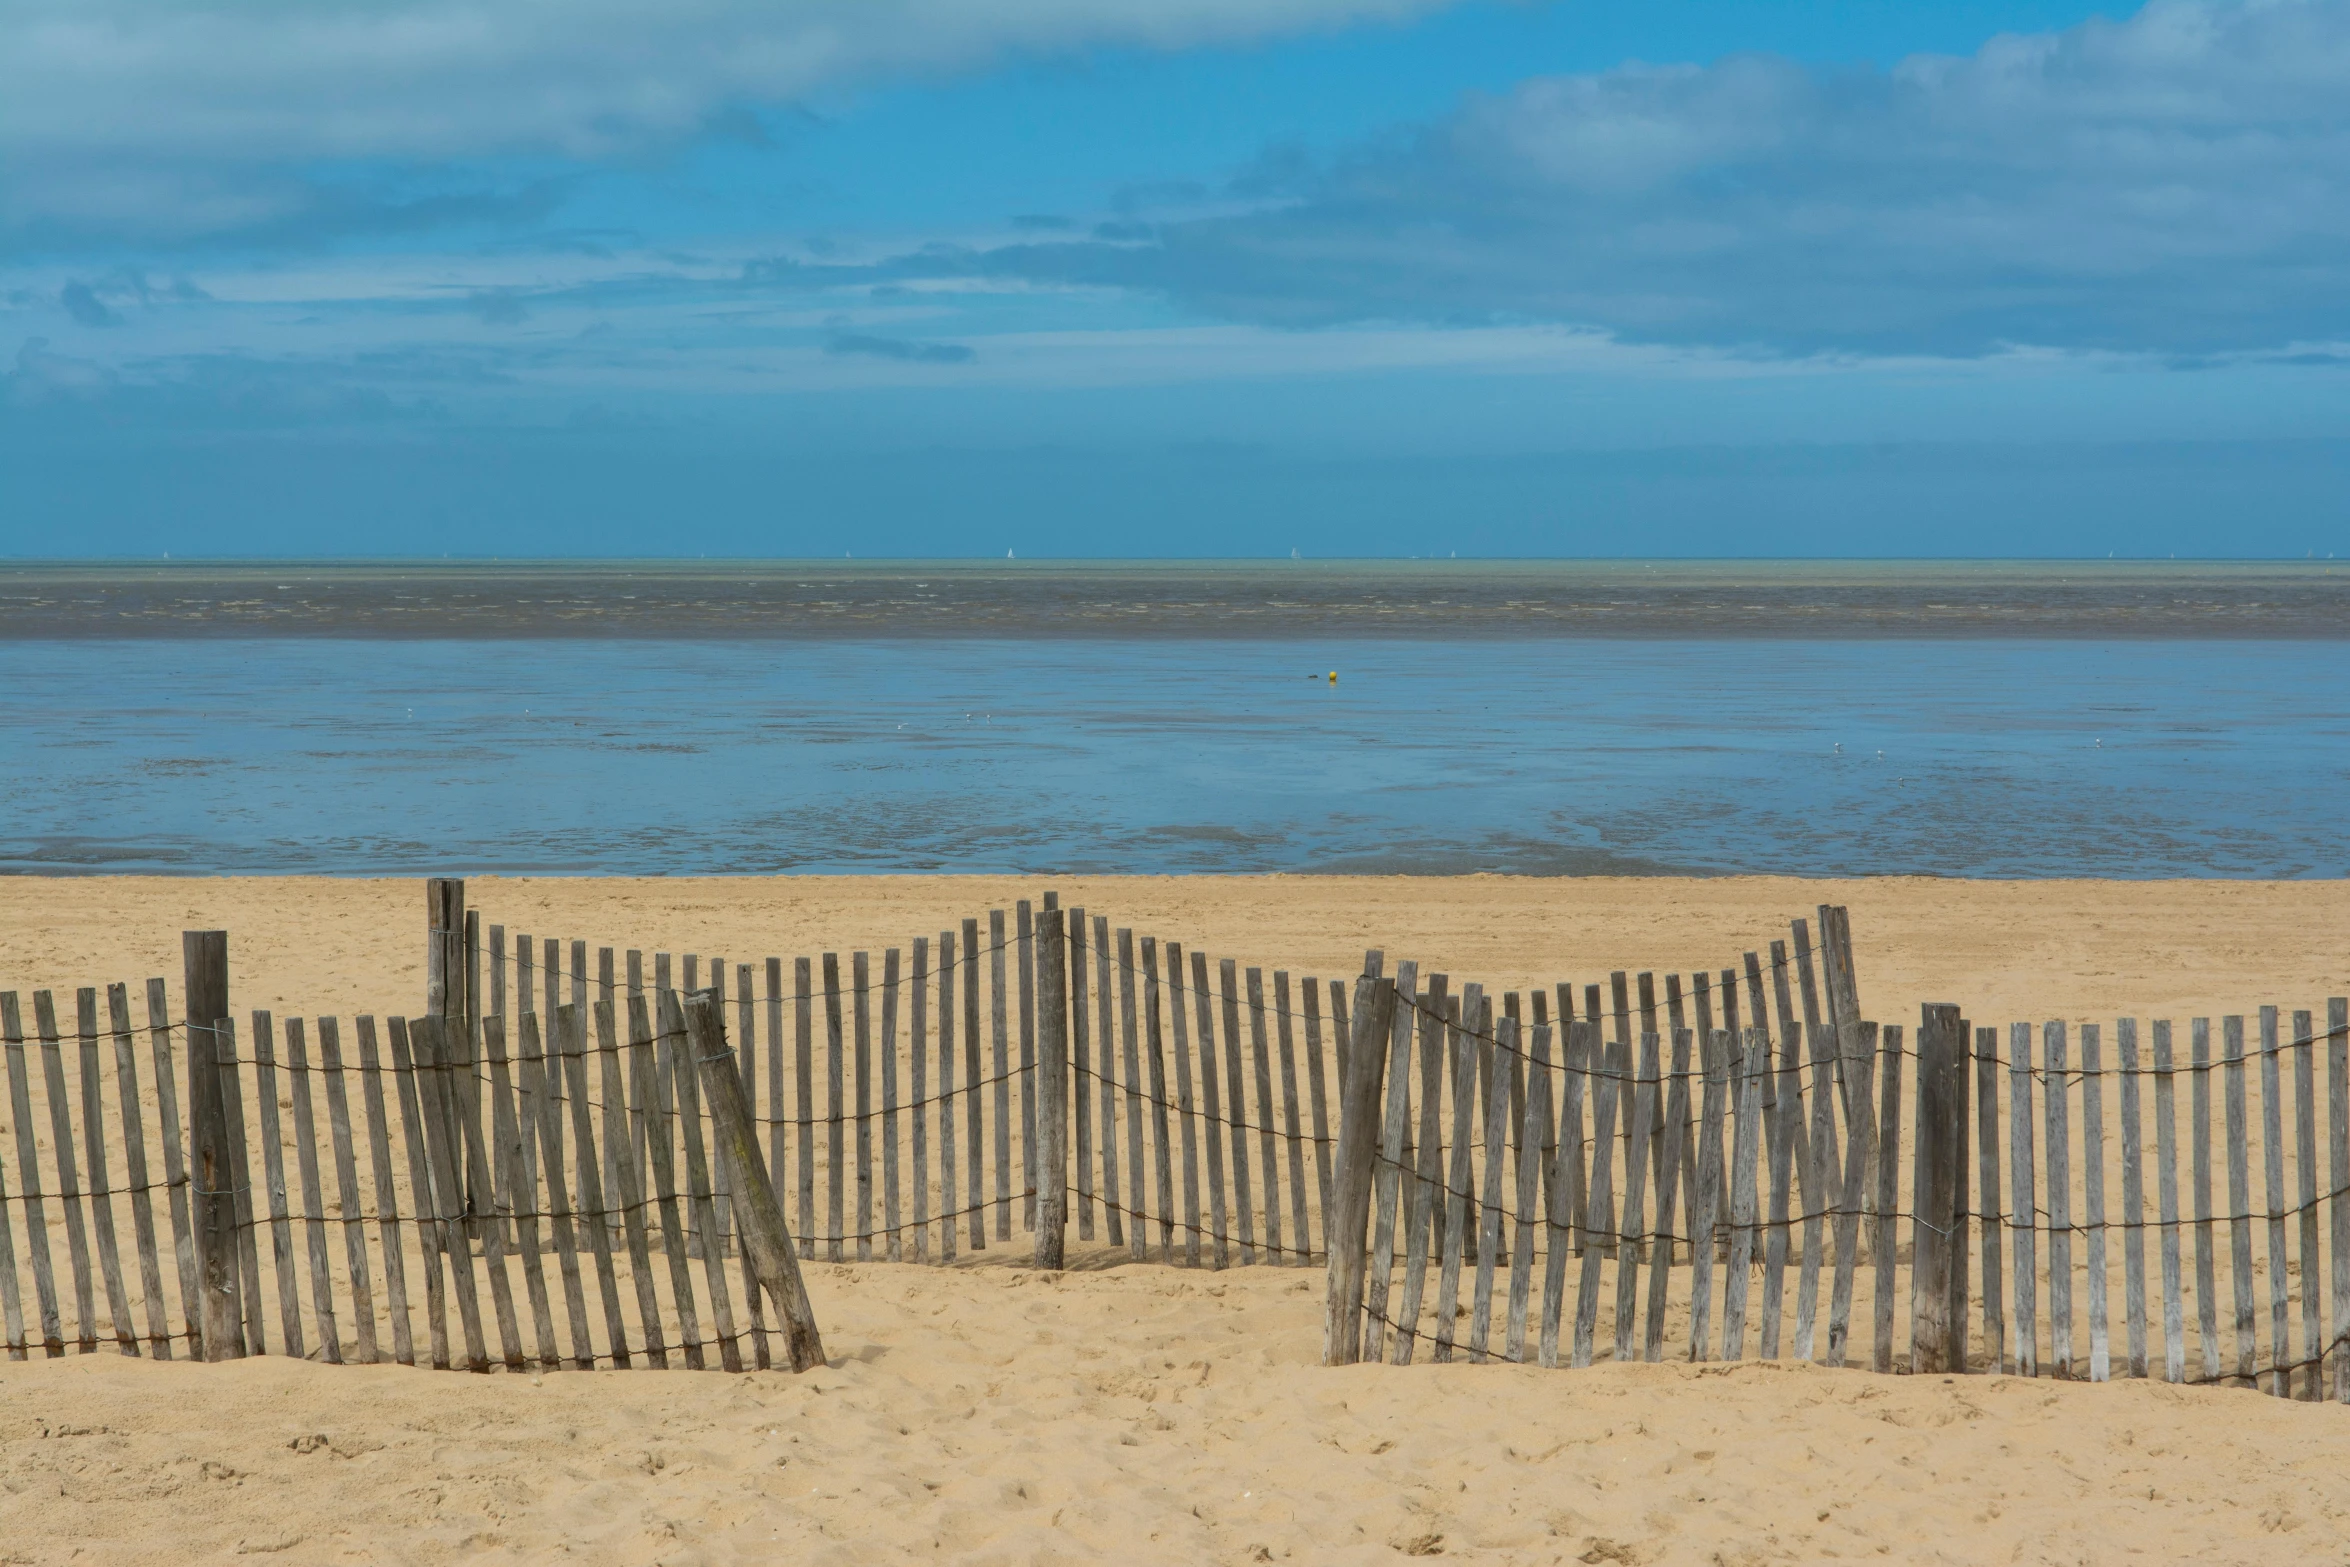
1334 677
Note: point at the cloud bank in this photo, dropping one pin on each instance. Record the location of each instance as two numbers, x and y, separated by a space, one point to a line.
2175 183
172 119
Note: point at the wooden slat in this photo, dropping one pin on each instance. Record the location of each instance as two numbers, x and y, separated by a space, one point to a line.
1599 1218
893 1248
2166 1180
69 1188
542 1069
2239 1196
1081 1069
387 1206
11 1299
776 1107
510 1124
354 1221
1106 1008
428 1039
1824 1178
1350 1188
595 1206
2316 1328
1268 1138
1660 1270
465 1098
1187 1107
273 1165
322 1290
731 1194
803 1084
1746 1144
655 1187
1317 1098
1421 1180
1937 1291
242 1183
2272 1169
1388 1172
1212 1122
999 1035
1494 1087
2125 1043
1785 1111
1639 1161
1462 1060
918 1099
1717 1079
93 1116
1024 956
1559 1228
861 986
1236 1113
420 1186
1154 1047
2093 1198
835 1089
1993 1211
2057 1109
1860 1068
2206 1264
765 1237
2338 1188
1533 1117
175 1168
948 1165
1130 1066
974 1093
1887 1144
700 1189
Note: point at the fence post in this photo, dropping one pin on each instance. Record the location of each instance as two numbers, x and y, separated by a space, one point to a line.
766 1241
220 1324
444 950
1051 1118
1937 1304
1345 1233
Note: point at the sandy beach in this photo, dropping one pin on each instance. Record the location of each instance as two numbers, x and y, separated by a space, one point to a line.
1133 1412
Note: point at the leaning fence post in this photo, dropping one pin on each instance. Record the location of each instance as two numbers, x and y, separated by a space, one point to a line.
1937 1303
766 1241
1344 1233
1051 1118
220 1324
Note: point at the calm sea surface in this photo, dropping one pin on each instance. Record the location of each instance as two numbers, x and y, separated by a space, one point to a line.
2000 721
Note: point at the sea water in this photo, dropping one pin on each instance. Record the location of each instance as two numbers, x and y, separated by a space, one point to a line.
1527 751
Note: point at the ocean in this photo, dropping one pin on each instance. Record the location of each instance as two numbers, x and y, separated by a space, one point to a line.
1955 719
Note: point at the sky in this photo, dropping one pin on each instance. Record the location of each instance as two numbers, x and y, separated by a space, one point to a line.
1173 278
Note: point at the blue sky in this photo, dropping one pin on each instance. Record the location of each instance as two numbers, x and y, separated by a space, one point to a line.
936 277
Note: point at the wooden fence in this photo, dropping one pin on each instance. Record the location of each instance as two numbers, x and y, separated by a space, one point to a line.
487 1183
1842 1192
1714 1167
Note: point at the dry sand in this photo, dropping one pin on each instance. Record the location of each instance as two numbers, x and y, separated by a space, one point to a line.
1131 1412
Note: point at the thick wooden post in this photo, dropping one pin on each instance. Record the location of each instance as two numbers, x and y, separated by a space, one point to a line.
1051 1105
1344 1232
220 1319
1937 1302
766 1241
444 951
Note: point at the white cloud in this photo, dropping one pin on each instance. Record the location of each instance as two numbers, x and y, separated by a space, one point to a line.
160 116
2177 182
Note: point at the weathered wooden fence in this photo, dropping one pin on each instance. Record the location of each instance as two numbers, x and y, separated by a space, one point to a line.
517 1154
1840 1191
1713 1167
